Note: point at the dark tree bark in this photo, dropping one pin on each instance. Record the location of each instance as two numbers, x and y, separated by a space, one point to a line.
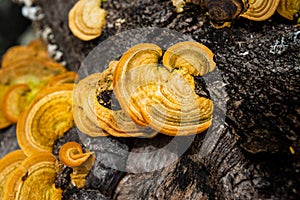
251 155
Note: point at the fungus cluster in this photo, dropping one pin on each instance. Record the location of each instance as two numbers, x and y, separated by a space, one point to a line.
25 71
86 19
153 97
222 12
37 94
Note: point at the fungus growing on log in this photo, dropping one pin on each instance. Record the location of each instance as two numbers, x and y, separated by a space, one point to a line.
46 119
163 97
33 179
105 120
86 19
222 13
24 73
84 112
289 9
7 165
71 155
260 10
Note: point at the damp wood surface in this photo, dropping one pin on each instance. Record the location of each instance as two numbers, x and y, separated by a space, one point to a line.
252 157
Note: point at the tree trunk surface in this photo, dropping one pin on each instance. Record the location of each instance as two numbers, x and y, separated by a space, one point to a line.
247 152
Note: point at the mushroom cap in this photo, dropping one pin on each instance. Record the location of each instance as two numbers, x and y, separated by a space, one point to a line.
86 19
288 8
46 119
71 154
163 97
7 165
260 10
33 179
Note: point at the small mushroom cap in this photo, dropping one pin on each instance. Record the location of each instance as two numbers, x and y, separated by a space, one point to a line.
7 165
71 154
86 19
46 119
163 97
33 179
193 56
288 8
260 10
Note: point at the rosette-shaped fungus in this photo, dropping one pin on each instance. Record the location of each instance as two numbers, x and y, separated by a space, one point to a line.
71 155
98 119
7 165
289 8
46 119
33 179
86 19
163 97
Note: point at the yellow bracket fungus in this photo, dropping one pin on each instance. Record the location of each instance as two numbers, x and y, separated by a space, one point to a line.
7 165
223 12
46 119
33 179
289 8
163 97
86 19
83 106
260 10
71 155
31 72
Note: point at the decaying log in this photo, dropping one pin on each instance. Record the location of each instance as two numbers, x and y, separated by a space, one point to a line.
249 155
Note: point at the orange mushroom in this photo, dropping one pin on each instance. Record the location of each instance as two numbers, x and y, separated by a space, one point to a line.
46 119
105 120
33 179
71 155
7 165
163 97
86 19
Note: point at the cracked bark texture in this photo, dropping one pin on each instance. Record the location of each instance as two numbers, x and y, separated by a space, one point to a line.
251 159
